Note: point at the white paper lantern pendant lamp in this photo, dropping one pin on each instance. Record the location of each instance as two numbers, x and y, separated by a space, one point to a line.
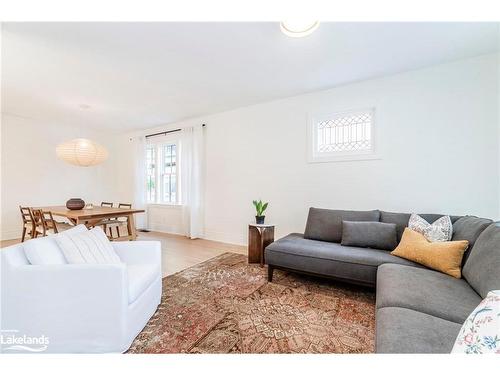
81 152
298 28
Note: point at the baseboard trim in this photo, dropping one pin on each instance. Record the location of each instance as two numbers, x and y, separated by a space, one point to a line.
165 229
11 234
208 235
225 237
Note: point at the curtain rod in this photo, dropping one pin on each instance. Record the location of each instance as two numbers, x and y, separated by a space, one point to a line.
165 132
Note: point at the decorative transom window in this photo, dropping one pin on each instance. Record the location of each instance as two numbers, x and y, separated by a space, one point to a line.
162 173
342 136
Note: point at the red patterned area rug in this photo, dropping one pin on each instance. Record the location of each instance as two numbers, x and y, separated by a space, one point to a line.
225 305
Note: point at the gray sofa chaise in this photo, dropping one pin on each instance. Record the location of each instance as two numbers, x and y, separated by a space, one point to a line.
418 310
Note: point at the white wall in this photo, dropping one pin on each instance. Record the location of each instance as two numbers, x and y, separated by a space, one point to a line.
498 112
438 144
32 175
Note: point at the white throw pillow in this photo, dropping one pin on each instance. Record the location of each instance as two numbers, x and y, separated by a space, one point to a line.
480 333
45 250
439 231
92 246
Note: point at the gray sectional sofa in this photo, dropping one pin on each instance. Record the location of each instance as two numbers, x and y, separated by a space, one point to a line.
418 310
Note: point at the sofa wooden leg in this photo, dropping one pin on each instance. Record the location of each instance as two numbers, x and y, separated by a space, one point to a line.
270 270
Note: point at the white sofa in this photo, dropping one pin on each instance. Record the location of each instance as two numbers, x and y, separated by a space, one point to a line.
81 308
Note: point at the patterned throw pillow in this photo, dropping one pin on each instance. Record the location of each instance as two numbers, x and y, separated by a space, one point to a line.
480 333
439 231
90 246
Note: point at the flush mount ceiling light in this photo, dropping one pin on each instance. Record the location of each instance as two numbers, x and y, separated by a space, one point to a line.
82 152
298 29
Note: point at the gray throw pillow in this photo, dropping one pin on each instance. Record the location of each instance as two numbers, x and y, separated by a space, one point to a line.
369 234
326 225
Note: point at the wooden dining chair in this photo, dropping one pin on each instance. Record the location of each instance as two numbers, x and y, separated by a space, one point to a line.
49 225
29 223
106 223
123 221
37 217
117 222
44 222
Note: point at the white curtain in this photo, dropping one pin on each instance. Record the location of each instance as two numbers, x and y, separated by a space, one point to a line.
192 180
140 181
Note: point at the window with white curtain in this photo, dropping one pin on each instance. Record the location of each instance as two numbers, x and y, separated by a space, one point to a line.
162 171
342 136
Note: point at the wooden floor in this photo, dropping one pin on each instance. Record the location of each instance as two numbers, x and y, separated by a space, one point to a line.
178 252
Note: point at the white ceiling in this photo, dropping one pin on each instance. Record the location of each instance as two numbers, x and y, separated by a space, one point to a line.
138 75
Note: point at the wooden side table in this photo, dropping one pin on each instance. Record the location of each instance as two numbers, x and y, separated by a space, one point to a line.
259 236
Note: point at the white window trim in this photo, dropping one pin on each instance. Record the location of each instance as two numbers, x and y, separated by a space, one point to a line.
158 145
316 157
166 205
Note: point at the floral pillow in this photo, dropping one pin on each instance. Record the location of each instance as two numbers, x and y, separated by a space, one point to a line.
439 231
480 333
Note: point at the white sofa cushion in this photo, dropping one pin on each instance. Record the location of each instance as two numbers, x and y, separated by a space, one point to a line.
92 247
45 250
140 277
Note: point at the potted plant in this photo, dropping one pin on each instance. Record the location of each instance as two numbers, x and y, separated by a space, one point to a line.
260 208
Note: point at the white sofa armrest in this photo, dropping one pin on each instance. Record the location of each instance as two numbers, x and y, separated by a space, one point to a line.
139 252
87 301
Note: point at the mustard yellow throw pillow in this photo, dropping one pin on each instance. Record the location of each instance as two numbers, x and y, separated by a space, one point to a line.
445 257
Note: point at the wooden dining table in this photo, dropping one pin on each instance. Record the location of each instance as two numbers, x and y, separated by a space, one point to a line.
97 215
